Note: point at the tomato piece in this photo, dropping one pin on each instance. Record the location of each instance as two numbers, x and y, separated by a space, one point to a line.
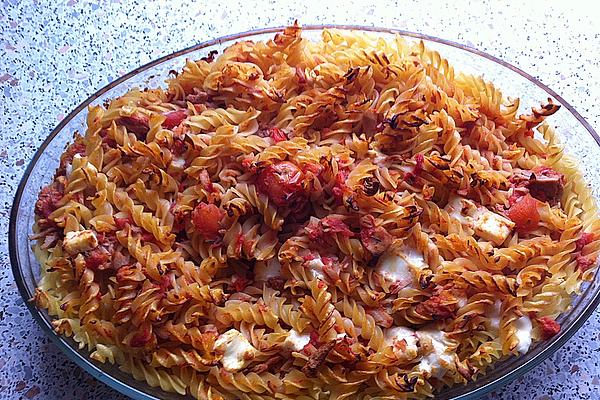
313 168
439 306
314 338
179 147
518 193
96 258
49 199
249 165
239 283
549 327
282 182
316 229
419 160
147 236
550 173
206 182
121 223
174 118
585 262
331 268
374 238
207 220
340 187
239 244
277 135
585 239
69 154
524 213
143 336
336 225
166 282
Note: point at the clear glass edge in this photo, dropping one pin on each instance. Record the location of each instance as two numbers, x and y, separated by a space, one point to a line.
85 363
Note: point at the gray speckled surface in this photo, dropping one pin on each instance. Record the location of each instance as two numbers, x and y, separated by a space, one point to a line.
53 57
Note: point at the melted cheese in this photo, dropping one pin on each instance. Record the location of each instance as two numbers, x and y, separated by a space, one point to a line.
439 359
316 267
394 336
236 350
265 270
178 162
523 333
296 341
76 242
398 265
68 170
496 315
461 209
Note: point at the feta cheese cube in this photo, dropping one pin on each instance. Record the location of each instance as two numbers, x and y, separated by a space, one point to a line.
491 226
296 341
178 162
76 242
487 224
235 349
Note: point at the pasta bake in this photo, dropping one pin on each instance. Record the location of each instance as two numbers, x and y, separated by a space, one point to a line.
343 218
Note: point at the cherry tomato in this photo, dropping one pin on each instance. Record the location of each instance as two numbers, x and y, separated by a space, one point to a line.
282 182
524 213
206 219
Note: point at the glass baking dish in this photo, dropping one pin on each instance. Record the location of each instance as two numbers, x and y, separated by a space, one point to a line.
577 135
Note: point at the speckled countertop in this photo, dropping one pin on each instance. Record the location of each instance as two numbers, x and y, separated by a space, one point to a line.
53 57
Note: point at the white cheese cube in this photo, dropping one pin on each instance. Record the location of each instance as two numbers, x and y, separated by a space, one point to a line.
236 350
296 341
79 241
491 226
487 224
178 162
